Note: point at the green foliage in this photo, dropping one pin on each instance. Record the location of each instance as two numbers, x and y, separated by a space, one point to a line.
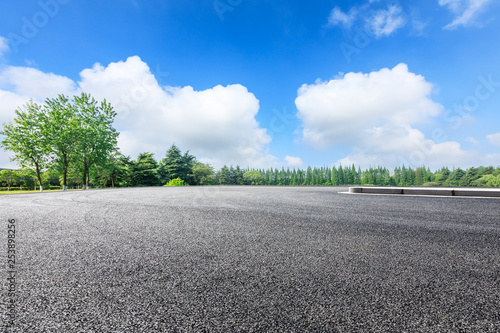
9 177
223 176
488 180
6 188
96 137
253 177
203 174
176 182
143 171
27 138
65 135
176 165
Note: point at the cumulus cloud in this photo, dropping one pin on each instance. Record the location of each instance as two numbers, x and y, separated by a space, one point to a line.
466 11
338 17
9 102
494 139
218 125
292 161
375 114
20 84
33 83
4 45
387 21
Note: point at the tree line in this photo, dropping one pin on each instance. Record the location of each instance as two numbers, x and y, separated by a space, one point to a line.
145 170
73 143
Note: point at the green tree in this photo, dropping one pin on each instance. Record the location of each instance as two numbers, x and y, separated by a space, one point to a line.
9 177
308 178
203 174
471 175
61 129
123 171
143 171
27 179
224 176
455 178
253 177
26 137
419 176
176 165
96 137
50 178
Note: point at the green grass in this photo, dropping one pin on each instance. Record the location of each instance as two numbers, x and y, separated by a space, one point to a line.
38 191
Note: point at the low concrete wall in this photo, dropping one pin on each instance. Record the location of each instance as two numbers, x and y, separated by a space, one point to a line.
428 191
466 192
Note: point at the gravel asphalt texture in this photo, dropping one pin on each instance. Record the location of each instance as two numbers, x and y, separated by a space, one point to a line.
252 259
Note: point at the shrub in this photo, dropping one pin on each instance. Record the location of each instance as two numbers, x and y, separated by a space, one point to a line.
12 188
430 184
176 182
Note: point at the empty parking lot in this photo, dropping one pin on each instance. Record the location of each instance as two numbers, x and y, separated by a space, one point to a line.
253 259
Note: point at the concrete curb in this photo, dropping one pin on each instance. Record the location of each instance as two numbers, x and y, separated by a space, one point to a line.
447 191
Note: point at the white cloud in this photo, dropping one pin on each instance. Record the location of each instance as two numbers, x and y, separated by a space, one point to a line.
9 102
337 17
4 45
374 113
494 139
292 161
466 10
33 83
217 124
380 22
386 21
472 140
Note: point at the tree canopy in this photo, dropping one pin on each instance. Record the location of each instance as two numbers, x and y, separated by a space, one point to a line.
62 134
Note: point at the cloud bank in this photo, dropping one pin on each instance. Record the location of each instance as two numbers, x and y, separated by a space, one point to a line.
218 125
375 113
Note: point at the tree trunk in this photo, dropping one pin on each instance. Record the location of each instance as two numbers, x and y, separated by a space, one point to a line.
37 169
85 173
65 173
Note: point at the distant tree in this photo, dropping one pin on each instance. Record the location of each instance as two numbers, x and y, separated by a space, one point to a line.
27 179
123 171
472 174
176 165
27 139
253 177
340 172
488 180
9 177
203 174
419 177
51 177
143 171
455 178
224 176
309 176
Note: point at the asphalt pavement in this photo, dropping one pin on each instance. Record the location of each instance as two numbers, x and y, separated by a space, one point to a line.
250 259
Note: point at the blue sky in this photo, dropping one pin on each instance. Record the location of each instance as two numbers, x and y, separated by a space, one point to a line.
270 83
